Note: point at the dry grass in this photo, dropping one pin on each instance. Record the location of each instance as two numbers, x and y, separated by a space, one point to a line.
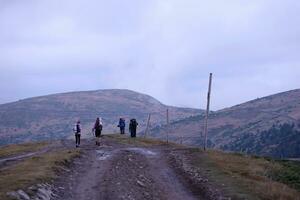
14 149
34 170
248 174
243 165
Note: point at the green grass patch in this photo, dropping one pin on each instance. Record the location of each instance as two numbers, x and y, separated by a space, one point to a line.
289 173
37 169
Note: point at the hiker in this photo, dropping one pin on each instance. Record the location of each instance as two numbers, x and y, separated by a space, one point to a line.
77 131
122 125
132 127
98 129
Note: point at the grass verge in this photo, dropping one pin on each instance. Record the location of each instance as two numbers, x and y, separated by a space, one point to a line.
14 149
37 169
246 177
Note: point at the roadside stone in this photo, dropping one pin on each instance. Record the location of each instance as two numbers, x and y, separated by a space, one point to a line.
140 183
45 193
33 188
23 195
14 195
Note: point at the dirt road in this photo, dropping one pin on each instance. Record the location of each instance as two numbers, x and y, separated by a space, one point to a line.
121 171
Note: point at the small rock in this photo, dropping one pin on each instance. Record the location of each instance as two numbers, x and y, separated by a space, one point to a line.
140 183
41 196
146 194
14 195
44 193
33 188
23 195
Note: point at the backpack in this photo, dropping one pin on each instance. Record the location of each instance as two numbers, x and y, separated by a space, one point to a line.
76 128
122 123
99 127
133 123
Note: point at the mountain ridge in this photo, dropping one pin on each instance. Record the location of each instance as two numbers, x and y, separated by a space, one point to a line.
53 116
256 127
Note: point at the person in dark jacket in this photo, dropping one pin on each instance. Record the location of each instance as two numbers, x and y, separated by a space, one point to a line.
122 125
77 131
132 127
97 130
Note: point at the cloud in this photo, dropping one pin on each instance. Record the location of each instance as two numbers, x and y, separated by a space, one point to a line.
163 48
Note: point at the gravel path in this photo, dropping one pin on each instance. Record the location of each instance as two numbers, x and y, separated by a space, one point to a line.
114 171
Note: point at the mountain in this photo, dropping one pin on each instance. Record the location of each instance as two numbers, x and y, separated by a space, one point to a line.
268 126
53 116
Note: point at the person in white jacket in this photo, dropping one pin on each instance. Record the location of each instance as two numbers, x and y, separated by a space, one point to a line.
77 131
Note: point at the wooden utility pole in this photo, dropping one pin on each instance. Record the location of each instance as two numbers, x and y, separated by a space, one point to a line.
168 122
148 124
207 111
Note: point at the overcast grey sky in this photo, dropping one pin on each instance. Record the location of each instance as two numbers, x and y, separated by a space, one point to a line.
165 48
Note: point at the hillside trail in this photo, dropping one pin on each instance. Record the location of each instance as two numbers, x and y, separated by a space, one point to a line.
120 171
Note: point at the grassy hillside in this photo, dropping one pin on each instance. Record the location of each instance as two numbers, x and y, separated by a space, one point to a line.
53 116
267 126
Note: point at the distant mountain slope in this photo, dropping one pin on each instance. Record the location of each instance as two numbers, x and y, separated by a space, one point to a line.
53 116
266 126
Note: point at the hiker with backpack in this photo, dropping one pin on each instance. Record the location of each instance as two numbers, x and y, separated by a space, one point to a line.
132 127
122 125
77 131
97 130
